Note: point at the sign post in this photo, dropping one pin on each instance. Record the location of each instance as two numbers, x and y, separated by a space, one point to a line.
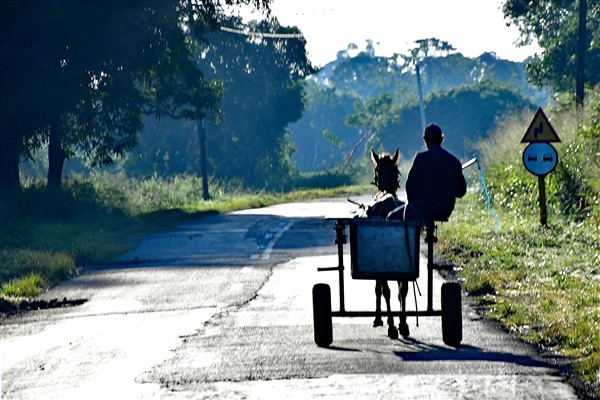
540 157
542 200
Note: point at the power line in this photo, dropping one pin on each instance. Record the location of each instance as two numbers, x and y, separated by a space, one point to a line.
264 34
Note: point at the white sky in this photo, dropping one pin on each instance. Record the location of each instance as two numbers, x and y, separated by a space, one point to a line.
471 26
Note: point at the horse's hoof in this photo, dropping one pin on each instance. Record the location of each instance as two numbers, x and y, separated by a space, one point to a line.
404 331
392 332
377 322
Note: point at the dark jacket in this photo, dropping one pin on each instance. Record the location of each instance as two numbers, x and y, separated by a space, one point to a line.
434 182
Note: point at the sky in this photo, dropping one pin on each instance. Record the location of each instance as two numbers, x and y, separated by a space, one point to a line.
471 26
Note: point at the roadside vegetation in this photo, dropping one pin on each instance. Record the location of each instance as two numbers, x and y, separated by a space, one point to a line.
51 236
153 115
541 283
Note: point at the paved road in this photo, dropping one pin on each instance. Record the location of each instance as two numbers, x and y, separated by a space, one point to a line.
222 308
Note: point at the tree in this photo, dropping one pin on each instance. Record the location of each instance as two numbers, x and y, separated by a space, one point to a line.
262 86
370 118
261 77
166 147
321 135
466 115
78 75
333 91
554 25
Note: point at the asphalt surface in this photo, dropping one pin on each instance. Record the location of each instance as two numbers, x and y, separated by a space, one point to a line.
222 308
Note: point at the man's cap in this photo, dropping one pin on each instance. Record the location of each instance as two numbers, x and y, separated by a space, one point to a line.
433 131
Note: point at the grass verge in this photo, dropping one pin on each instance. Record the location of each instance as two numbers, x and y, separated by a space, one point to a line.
50 237
541 283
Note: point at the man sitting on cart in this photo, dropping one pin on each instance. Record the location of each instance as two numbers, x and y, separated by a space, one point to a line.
434 182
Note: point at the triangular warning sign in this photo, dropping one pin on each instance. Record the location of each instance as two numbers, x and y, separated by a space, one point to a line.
540 130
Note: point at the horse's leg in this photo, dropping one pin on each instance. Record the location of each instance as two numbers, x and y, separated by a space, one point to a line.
378 321
403 291
392 332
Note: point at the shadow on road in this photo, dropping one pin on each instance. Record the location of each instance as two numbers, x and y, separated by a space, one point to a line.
428 352
338 348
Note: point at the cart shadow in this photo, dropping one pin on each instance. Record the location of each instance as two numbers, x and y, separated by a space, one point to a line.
431 352
346 349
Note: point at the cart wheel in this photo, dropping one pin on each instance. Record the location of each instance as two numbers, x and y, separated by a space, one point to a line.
322 314
451 314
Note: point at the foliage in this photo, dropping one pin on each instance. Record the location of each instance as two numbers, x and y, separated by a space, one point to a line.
166 147
320 136
573 189
69 78
377 74
440 70
554 25
369 119
28 287
263 95
540 282
247 141
466 114
325 179
450 83
51 237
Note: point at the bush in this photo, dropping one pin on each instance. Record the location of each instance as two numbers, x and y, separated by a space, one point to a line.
323 180
573 189
540 282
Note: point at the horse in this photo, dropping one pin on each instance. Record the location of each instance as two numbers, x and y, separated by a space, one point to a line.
384 201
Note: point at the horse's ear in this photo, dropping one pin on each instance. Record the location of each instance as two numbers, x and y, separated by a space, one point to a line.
374 156
396 156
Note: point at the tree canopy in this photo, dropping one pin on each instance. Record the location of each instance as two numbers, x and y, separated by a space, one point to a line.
262 95
247 141
482 88
79 75
554 25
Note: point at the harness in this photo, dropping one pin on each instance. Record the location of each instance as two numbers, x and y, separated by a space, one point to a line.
394 186
385 194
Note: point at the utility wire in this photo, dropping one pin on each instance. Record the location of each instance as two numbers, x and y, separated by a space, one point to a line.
263 34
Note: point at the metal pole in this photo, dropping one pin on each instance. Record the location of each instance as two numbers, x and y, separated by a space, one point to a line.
581 49
542 198
430 239
421 104
340 240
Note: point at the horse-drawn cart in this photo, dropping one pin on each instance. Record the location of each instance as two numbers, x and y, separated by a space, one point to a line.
385 250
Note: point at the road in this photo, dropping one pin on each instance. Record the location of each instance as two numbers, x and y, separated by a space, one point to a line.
222 308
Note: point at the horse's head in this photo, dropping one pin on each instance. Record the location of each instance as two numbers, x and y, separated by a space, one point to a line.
386 171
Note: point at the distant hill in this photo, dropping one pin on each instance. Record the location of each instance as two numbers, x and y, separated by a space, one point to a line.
464 95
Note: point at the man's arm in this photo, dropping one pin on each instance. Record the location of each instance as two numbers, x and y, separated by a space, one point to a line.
461 187
414 179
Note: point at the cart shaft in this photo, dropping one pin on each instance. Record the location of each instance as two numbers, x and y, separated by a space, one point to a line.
354 314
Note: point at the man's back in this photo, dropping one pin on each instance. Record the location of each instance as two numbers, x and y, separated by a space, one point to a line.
434 182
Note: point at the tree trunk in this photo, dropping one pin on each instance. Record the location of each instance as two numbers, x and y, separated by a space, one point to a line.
203 162
360 141
56 158
10 184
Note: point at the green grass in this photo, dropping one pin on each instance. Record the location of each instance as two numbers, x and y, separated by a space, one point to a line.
540 283
28 286
50 237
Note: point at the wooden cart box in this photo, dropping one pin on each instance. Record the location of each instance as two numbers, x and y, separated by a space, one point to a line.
381 249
